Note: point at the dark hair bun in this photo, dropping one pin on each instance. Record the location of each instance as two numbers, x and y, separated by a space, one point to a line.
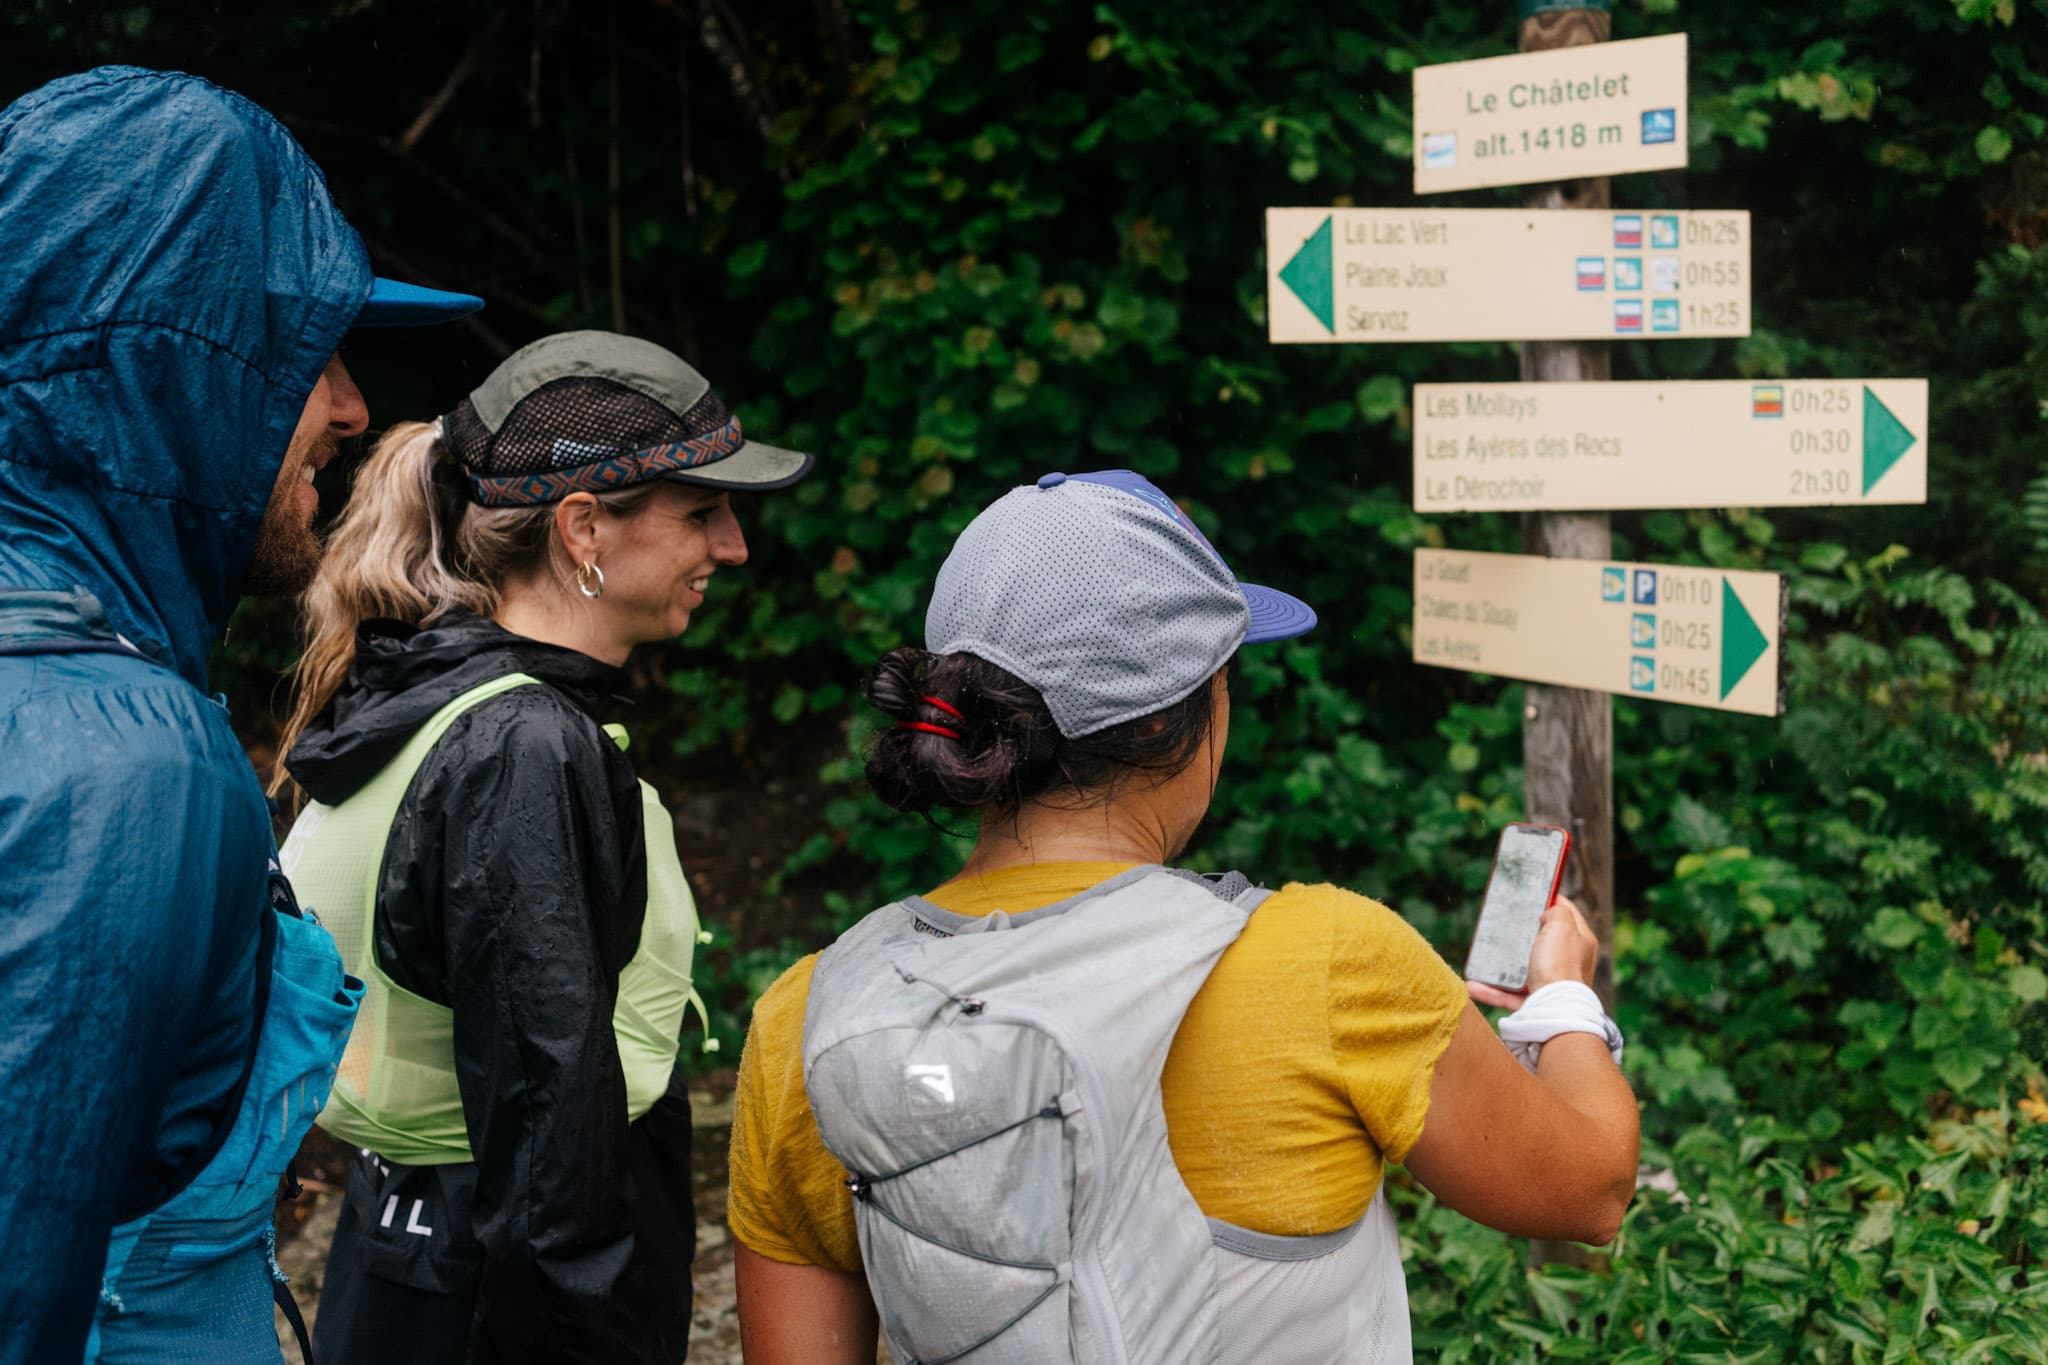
1008 750
1006 737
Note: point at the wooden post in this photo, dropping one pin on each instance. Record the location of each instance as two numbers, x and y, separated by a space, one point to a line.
1567 733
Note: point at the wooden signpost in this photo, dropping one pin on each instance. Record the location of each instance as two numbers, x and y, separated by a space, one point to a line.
1699 443
1431 274
1567 732
1560 274
1551 115
1705 637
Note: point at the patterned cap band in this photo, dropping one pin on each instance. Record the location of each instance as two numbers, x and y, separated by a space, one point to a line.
607 475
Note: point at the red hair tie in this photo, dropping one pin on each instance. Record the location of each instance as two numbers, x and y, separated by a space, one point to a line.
948 731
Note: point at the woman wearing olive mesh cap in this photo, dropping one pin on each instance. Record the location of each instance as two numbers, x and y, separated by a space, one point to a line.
509 891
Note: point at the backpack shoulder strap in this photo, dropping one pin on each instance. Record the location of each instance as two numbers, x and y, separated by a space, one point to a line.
1232 886
385 794
362 823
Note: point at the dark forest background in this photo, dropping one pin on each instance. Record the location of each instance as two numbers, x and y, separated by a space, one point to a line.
949 246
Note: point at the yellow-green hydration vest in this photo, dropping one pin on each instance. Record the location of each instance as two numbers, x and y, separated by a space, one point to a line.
396 1092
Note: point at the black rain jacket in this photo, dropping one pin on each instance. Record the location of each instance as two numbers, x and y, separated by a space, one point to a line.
512 890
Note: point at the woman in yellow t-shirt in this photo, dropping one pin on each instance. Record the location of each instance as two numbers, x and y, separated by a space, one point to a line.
1074 697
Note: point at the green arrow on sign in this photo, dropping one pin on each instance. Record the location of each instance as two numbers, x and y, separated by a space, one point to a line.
1742 642
1885 439
1311 278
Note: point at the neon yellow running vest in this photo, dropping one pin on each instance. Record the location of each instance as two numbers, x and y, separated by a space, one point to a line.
396 1092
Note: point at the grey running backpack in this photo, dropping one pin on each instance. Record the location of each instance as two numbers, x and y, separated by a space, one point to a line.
992 1087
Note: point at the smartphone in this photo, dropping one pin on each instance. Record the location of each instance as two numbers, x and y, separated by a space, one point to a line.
1528 863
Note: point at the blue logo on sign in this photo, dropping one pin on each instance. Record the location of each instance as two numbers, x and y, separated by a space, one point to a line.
1628 272
1664 232
1614 585
1642 675
1660 125
1663 315
1439 151
1646 587
1642 630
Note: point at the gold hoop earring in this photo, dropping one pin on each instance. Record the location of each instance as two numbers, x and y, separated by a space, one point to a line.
583 576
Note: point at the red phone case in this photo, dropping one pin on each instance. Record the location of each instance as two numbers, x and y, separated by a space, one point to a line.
1564 851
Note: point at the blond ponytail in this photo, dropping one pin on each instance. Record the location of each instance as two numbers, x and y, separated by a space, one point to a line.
387 556
395 553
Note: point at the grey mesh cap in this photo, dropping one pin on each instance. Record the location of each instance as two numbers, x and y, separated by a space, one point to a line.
596 411
1098 591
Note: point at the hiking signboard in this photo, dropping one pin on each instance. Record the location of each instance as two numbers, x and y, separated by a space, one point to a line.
1680 443
1701 636
1561 114
1429 274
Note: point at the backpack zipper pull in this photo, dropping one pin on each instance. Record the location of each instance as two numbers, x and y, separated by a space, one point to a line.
968 1005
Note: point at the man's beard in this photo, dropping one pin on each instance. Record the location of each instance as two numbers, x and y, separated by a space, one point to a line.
287 553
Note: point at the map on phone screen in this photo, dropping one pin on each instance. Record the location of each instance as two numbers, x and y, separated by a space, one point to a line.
1524 874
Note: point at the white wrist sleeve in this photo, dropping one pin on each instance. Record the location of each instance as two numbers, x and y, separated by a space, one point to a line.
1560 1007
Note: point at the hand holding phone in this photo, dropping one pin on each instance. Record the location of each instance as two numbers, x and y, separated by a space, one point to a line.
1527 866
1566 949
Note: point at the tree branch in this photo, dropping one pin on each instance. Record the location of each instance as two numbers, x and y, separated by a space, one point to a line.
688 157
534 253
442 98
723 50
532 250
533 68
615 213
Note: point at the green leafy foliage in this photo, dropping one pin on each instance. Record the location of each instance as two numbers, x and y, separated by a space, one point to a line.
952 246
1765 1250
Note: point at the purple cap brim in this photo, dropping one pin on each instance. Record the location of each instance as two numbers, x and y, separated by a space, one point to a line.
395 304
1275 615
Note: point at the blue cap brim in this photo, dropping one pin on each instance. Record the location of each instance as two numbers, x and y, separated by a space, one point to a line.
1275 615
394 304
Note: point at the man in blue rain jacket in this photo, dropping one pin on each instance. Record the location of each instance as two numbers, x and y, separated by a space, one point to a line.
176 284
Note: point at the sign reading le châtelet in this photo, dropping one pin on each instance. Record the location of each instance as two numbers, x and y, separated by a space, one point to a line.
1596 109
1706 637
1426 274
1681 443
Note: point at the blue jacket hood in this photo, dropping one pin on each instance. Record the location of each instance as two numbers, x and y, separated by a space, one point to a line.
176 279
